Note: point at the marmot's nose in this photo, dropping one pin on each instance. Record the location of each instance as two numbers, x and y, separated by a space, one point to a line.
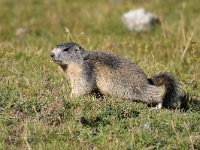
52 55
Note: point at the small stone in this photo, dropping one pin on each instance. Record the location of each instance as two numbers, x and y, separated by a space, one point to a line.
147 126
22 31
1 108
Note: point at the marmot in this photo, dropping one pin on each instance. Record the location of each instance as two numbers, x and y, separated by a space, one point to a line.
112 75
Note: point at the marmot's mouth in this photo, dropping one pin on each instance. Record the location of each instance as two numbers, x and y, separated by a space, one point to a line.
57 61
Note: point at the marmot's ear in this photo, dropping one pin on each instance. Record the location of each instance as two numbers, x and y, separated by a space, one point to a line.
76 48
79 50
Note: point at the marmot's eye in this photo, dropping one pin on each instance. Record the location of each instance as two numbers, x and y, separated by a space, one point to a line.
66 49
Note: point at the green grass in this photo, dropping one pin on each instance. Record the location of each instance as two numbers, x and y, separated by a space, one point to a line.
36 111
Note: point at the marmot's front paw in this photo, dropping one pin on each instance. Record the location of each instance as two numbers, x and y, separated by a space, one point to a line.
73 94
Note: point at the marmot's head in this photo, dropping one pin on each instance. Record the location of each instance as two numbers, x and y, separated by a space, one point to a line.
67 53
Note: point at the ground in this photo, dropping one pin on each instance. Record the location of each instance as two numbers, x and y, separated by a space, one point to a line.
36 111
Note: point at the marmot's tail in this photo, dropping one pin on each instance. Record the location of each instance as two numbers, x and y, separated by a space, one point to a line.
171 88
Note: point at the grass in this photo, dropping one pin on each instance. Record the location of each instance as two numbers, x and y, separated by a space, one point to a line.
36 111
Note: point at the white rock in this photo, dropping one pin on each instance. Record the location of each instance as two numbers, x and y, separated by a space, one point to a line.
139 19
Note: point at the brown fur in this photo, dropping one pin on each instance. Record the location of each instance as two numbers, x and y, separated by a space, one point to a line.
108 74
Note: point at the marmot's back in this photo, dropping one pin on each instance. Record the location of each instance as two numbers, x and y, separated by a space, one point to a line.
117 76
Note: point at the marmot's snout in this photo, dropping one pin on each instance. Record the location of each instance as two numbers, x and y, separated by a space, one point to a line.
55 57
52 55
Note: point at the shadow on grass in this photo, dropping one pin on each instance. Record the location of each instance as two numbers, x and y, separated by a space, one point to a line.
103 118
194 104
185 103
93 122
189 103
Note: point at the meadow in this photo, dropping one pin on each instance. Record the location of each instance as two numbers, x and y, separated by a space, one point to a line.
36 111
